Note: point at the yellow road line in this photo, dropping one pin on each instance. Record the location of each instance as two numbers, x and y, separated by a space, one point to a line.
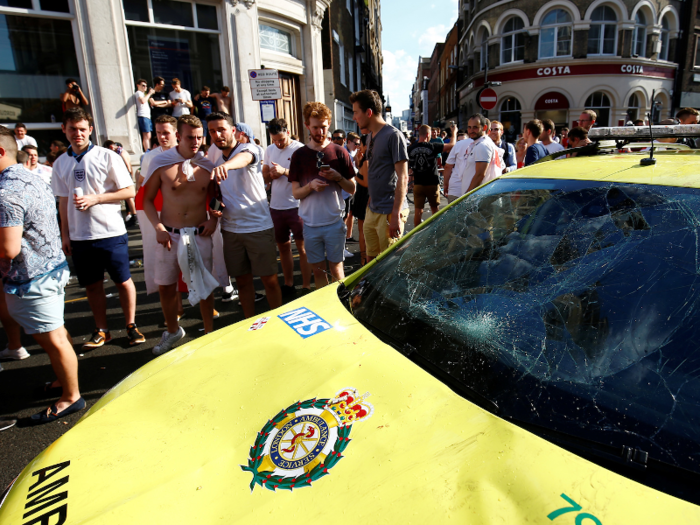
75 300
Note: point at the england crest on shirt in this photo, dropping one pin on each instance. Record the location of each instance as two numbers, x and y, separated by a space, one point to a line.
79 175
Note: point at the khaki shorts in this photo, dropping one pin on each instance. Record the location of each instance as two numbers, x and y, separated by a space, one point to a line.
422 193
168 269
246 253
376 229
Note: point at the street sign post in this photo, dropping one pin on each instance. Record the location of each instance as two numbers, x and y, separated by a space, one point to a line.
487 98
265 84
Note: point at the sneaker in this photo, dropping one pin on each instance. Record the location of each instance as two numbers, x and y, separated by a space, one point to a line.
259 297
227 297
216 314
348 254
168 341
350 239
135 337
98 339
288 292
127 218
20 353
131 221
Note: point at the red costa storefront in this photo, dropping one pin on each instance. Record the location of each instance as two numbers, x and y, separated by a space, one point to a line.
554 106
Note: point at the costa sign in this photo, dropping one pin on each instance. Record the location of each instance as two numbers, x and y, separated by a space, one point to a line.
605 69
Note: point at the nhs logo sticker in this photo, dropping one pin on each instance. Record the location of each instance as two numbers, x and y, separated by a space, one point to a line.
304 322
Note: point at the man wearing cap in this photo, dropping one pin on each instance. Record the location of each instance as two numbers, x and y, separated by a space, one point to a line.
247 228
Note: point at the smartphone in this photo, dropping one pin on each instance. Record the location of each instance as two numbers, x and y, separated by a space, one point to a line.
325 166
215 204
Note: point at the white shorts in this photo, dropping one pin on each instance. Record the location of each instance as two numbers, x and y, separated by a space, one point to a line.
167 268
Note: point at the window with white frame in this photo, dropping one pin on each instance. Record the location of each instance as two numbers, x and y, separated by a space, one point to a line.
484 55
341 54
639 37
602 34
600 103
275 39
169 39
513 41
696 62
555 34
351 70
664 38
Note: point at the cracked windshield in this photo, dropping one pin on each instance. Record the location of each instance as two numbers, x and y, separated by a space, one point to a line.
568 305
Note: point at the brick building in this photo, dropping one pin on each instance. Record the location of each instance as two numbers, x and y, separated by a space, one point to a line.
449 102
434 85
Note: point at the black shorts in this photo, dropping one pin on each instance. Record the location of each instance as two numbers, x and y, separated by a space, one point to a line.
93 258
358 205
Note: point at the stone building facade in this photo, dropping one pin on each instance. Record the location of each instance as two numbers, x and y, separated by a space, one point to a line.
556 58
107 44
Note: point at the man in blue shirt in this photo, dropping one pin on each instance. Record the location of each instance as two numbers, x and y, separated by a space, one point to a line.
34 272
535 149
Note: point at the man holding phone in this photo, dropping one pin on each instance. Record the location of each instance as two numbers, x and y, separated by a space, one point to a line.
73 96
319 172
184 180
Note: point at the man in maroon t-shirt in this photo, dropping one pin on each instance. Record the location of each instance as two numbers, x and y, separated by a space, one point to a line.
319 172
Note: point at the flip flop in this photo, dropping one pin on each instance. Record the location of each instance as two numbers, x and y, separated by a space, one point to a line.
6 423
52 414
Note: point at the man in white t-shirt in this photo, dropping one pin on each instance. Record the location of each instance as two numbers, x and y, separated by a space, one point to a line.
181 99
143 111
43 171
91 225
479 154
247 229
548 132
22 138
454 169
284 208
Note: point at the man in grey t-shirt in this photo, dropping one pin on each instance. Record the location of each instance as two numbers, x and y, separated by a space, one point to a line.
387 155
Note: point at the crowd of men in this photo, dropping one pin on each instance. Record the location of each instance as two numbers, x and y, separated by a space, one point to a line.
205 215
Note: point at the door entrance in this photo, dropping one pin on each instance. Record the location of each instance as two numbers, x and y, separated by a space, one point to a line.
289 106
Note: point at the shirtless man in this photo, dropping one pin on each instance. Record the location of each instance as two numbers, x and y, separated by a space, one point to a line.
224 101
73 97
184 205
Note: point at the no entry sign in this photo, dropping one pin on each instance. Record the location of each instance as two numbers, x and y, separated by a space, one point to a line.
488 99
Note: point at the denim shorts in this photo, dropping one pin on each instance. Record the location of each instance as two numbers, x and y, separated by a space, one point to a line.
145 125
40 308
92 258
325 242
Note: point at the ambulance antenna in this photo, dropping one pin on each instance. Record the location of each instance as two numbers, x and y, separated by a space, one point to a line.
651 160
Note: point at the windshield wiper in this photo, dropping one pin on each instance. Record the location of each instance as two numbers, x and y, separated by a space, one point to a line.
408 350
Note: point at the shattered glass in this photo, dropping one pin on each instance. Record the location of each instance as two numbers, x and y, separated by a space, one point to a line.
572 305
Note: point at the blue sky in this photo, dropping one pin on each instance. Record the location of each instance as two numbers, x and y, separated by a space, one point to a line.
410 28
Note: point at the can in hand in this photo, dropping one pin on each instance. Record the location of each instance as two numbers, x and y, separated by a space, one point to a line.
78 193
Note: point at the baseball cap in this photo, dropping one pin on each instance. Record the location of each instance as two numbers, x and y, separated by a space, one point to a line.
245 129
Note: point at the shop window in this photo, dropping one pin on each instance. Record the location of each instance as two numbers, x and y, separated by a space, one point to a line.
510 118
639 38
513 41
633 108
37 55
193 57
555 34
664 38
275 39
603 31
600 103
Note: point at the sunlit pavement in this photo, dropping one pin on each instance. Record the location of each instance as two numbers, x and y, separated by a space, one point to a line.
104 367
